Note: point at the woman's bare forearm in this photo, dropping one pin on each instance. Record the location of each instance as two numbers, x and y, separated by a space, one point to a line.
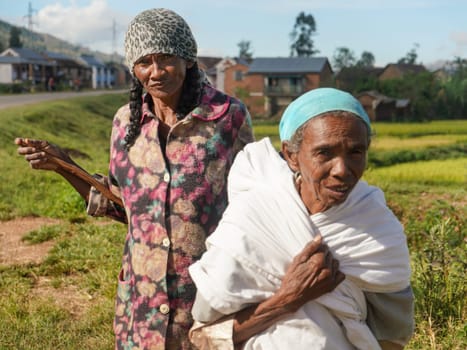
257 318
81 186
312 273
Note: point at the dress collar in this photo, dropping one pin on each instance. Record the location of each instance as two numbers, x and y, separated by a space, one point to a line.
214 104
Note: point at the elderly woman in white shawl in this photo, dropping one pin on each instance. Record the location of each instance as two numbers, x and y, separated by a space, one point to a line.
270 277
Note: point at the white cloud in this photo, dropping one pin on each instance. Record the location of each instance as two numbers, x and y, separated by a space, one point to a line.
90 25
460 42
459 38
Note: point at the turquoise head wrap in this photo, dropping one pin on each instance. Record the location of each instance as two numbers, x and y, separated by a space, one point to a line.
314 103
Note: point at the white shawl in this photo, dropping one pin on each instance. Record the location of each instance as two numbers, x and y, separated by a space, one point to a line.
266 224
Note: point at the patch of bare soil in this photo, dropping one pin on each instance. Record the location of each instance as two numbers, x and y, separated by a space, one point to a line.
69 297
13 251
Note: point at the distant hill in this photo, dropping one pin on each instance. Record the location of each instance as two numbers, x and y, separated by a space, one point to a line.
46 42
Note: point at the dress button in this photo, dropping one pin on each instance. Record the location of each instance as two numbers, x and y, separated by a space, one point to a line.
164 308
166 242
166 177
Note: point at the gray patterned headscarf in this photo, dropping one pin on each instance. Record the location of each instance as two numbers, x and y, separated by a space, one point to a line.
158 31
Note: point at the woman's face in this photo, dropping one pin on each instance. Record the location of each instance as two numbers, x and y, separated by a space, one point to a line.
162 75
331 159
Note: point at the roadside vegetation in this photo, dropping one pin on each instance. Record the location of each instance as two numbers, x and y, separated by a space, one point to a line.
66 301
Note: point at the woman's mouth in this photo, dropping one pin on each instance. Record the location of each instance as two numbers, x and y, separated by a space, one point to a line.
157 85
339 192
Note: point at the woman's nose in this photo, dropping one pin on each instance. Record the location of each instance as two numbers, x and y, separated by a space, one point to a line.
339 167
155 66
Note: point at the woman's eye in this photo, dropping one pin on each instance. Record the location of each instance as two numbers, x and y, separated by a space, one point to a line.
165 58
144 62
324 152
357 153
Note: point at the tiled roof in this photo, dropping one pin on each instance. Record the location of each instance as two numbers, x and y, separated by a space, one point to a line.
57 55
63 59
92 61
26 55
287 65
13 59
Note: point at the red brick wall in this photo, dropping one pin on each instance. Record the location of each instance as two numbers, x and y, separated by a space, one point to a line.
243 89
251 89
230 84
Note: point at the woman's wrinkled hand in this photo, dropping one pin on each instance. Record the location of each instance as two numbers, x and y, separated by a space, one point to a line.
40 153
312 273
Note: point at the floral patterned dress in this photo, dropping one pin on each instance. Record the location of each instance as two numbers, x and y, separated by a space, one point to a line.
172 201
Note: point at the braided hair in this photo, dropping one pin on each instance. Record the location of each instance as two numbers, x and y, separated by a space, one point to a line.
190 98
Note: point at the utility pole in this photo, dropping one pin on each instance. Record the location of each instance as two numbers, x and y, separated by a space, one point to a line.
114 40
31 23
29 16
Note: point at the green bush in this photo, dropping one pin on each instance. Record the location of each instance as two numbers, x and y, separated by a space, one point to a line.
14 88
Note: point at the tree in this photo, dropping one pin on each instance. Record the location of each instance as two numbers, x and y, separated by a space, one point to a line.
245 50
367 60
15 37
343 57
303 30
453 96
411 56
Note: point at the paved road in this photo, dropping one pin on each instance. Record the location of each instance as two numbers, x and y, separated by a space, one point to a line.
7 101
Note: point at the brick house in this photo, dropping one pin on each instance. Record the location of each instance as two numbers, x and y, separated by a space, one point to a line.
380 107
268 84
398 70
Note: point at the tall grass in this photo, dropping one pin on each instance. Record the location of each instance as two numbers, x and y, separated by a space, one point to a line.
66 302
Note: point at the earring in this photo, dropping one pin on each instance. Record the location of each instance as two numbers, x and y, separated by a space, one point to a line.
297 176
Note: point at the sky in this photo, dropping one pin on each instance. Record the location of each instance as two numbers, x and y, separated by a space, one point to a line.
389 29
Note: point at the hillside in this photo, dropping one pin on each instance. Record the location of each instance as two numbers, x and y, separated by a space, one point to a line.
46 42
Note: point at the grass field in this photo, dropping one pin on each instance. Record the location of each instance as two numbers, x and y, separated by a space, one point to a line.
66 301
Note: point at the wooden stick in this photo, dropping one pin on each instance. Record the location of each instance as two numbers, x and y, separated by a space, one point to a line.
83 175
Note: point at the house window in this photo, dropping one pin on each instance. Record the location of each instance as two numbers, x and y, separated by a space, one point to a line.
238 75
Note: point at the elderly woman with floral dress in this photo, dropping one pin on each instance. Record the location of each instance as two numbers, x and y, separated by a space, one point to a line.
171 149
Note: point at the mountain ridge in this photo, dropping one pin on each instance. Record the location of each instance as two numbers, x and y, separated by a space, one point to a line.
45 42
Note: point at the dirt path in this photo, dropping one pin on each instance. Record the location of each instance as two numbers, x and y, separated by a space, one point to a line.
13 251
